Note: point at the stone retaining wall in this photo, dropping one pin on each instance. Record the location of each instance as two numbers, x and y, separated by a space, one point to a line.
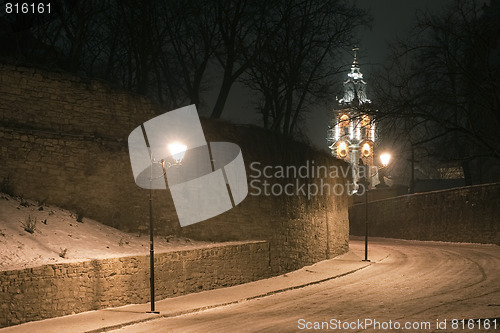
61 289
466 214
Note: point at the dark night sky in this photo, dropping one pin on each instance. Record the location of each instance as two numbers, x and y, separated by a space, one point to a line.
391 18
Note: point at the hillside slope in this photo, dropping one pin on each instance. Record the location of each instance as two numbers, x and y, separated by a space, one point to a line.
57 237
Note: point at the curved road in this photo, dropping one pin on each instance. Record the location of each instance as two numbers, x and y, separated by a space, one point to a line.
418 284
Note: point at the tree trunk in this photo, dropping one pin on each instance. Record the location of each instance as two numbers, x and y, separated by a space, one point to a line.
223 94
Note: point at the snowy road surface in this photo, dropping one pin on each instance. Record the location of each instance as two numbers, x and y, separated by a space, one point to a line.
421 284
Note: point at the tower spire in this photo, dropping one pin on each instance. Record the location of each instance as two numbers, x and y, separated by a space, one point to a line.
354 86
355 50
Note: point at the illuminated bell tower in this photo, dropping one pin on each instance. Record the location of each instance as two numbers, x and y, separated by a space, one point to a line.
352 131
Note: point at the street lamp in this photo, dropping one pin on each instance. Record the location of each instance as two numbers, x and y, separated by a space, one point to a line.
384 159
177 150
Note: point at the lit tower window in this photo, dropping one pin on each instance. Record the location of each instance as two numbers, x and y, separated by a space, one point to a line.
365 126
344 124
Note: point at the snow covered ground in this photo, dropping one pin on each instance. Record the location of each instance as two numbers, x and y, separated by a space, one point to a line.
420 287
58 237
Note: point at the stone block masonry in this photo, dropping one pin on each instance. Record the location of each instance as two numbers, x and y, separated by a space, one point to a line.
61 289
58 103
63 140
467 214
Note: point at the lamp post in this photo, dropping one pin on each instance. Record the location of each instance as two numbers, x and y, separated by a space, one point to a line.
177 150
384 158
411 190
366 183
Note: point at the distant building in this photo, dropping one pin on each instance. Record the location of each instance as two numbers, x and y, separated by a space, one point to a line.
351 135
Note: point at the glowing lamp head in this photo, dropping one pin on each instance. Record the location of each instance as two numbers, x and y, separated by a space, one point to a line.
177 150
385 158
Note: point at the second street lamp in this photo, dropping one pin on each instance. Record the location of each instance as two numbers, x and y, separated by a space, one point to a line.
384 159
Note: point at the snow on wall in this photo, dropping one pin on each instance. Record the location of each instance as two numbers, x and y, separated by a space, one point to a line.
61 289
63 140
467 214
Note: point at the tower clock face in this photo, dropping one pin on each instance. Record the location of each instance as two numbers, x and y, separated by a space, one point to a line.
342 150
366 150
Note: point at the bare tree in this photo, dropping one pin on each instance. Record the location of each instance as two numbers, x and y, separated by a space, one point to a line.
293 70
188 32
240 25
441 90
